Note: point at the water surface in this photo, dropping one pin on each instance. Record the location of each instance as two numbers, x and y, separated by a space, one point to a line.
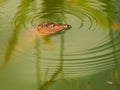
86 57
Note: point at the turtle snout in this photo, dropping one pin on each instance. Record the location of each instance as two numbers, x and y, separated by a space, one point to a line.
67 27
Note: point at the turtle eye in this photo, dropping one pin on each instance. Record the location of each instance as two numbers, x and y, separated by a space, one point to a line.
67 26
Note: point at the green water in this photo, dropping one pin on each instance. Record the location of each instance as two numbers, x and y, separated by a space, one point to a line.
86 57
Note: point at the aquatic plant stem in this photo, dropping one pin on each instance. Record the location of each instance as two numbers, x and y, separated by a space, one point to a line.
77 84
115 58
113 48
89 85
66 83
38 73
59 70
19 21
61 59
12 42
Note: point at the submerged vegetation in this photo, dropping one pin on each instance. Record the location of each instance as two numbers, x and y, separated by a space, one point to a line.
58 64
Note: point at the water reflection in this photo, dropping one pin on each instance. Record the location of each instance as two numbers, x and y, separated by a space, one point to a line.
52 11
19 21
2 2
76 53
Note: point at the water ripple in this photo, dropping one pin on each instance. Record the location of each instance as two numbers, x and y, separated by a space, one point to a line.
73 54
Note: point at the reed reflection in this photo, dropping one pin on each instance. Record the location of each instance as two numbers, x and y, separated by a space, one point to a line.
90 12
19 21
3 2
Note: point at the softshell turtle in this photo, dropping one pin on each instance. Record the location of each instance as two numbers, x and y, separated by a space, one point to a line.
50 28
43 31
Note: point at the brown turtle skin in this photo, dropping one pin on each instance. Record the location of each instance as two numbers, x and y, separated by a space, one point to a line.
51 28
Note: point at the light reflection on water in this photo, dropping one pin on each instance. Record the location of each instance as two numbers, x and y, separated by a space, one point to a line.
88 48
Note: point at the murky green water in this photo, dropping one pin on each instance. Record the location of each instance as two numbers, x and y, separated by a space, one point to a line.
86 57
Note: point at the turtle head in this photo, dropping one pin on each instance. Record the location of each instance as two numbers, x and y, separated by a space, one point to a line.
52 28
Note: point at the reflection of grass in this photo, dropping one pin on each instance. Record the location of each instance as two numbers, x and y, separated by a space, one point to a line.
54 11
12 42
59 70
38 74
89 85
77 84
66 83
19 21
46 73
2 2
115 56
113 48
50 13
116 77
94 10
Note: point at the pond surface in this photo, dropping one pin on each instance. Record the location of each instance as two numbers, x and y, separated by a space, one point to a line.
85 57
